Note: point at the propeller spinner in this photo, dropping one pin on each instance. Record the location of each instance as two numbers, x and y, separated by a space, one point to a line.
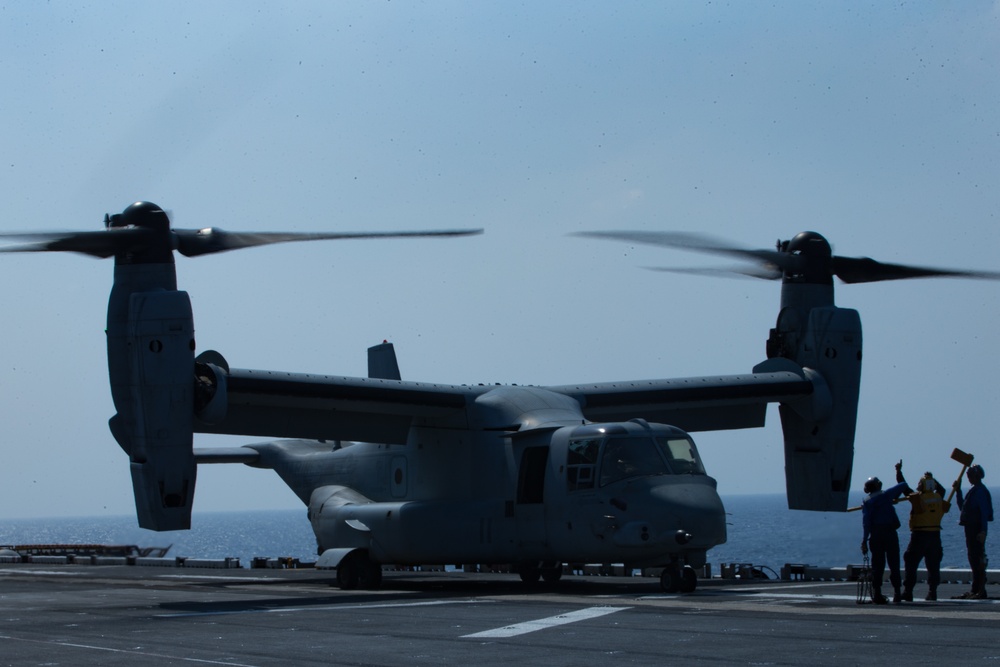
806 258
142 233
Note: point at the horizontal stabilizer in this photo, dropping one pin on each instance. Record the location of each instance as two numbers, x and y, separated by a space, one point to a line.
226 455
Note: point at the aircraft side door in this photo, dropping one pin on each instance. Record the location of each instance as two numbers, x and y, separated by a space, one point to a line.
573 497
529 507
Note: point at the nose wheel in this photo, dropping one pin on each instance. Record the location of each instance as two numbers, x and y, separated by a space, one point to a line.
675 579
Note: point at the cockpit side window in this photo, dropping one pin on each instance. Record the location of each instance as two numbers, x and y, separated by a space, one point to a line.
581 463
681 455
630 457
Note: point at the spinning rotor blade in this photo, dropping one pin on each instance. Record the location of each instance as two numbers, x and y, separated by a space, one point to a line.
102 244
192 243
867 270
769 272
699 243
145 228
807 256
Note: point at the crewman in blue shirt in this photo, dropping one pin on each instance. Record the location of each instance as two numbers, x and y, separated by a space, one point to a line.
878 517
977 512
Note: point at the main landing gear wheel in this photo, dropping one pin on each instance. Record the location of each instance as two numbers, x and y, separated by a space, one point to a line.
670 579
530 573
551 574
675 579
357 571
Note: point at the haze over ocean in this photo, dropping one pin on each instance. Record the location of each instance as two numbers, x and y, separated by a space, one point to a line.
761 532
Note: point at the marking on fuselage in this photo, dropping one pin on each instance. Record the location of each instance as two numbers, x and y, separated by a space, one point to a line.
543 623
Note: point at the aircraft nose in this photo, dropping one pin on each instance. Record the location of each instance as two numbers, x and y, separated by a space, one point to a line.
691 515
675 513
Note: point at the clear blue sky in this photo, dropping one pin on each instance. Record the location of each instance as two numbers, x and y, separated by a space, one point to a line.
875 124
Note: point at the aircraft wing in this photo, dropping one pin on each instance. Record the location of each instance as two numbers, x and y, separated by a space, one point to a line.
711 403
322 407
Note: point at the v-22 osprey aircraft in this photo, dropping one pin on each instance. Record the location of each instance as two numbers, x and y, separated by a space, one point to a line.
405 473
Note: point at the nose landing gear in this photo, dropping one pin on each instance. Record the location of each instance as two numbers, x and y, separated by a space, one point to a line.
675 579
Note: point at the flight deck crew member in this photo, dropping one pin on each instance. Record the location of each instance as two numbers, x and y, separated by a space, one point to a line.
927 507
878 517
977 512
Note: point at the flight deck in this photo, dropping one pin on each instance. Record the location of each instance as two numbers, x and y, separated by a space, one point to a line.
126 615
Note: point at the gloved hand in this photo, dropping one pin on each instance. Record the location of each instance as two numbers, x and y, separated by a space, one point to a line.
864 547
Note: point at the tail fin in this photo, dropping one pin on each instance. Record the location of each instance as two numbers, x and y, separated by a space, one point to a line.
382 362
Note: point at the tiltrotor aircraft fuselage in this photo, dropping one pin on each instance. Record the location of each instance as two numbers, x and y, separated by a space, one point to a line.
401 472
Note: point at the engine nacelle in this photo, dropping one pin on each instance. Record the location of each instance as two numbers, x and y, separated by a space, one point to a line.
151 362
819 442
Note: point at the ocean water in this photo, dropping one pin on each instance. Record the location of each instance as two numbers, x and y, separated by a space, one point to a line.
761 530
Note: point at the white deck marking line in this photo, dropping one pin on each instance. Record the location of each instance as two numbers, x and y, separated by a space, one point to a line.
805 584
145 654
802 596
328 607
823 596
219 577
64 573
761 593
542 623
764 594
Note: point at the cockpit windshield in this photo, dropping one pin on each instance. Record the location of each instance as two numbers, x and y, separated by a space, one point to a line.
681 455
630 456
601 460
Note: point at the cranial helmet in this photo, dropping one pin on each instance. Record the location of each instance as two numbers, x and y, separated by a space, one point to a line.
927 483
873 484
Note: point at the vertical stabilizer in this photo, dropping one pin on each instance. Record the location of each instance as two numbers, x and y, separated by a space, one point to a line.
382 362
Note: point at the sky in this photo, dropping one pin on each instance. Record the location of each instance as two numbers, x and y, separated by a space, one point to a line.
876 124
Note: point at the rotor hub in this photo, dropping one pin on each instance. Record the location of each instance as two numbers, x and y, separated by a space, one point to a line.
154 244
810 244
144 214
814 258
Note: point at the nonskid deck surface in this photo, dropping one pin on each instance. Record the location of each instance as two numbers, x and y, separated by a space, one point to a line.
122 615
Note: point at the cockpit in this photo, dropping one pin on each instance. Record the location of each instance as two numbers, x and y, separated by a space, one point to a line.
598 455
